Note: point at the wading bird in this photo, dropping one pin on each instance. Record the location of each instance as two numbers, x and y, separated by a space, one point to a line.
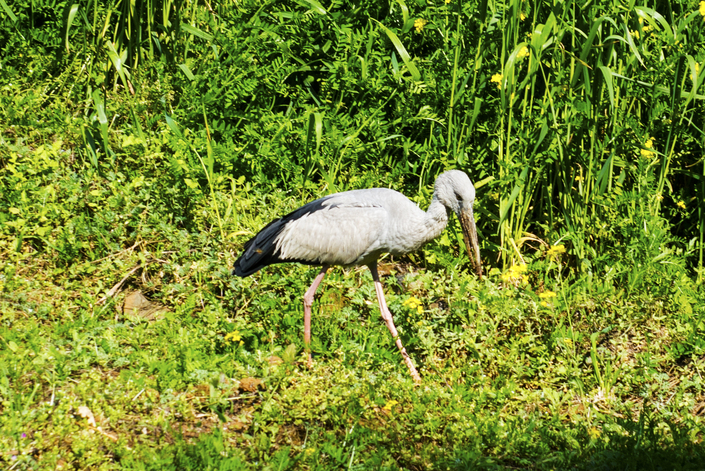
355 228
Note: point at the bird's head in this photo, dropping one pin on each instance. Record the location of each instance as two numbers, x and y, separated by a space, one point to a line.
455 191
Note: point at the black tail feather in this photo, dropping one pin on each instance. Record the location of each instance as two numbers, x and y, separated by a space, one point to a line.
261 250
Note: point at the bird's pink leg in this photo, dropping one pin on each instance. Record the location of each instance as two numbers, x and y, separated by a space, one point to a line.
308 302
387 316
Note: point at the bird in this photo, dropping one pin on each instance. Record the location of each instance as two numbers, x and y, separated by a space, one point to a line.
355 228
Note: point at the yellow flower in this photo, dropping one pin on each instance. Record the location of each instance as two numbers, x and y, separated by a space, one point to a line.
391 403
555 251
578 178
497 78
702 8
233 336
546 296
447 2
635 34
515 275
681 204
646 153
413 303
523 52
522 16
594 433
419 24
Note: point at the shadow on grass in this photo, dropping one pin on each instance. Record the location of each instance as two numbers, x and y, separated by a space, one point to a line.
645 444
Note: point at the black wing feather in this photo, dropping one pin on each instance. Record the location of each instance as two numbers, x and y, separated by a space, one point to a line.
261 250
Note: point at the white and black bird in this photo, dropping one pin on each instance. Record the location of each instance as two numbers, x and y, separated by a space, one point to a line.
355 228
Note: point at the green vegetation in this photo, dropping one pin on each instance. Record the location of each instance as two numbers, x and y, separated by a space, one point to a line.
142 143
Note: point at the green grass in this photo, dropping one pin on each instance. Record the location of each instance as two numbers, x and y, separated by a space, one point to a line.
140 148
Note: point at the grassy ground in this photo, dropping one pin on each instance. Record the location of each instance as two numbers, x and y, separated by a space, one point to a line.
531 367
132 171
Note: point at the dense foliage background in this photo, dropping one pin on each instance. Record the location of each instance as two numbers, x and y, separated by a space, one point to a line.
142 143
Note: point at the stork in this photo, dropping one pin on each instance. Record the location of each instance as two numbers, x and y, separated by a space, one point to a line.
355 228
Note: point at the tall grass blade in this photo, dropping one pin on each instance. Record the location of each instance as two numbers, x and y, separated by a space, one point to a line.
69 21
12 16
197 32
518 187
415 74
607 75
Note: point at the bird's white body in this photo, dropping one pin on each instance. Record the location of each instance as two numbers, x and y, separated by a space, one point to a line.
356 227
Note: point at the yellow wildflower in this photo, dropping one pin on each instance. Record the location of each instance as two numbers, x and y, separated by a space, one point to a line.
578 178
635 34
702 8
522 16
447 2
555 251
681 204
390 404
594 433
497 78
646 153
233 336
414 303
515 275
546 296
523 52
419 24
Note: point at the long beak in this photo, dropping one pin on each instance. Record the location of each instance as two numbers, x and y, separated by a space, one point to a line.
467 222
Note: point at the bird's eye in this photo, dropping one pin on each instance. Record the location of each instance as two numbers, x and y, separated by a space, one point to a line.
458 197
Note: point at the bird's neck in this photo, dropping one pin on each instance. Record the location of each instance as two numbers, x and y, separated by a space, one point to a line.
436 218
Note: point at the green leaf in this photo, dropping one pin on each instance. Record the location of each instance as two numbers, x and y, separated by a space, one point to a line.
315 6
197 32
8 11
184 68
172 125
69 22
607 74
402 52
520 184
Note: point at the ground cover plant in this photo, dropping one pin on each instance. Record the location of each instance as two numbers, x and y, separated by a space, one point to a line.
142 143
